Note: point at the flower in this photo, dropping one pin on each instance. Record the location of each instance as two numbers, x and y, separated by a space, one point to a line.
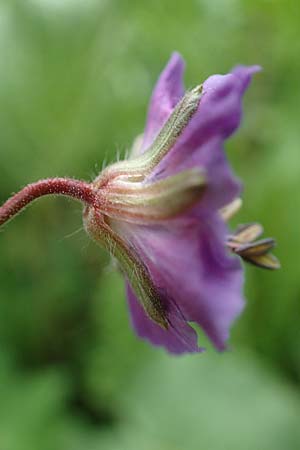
163 213
176 235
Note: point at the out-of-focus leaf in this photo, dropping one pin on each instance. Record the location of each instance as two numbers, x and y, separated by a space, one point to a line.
218 402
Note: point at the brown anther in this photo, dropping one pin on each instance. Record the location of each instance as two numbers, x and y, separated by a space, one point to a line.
258 252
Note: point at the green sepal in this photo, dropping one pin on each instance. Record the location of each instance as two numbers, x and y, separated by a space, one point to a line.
153 202
142 165
133 268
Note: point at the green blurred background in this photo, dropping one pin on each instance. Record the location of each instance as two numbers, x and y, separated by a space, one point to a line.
75 79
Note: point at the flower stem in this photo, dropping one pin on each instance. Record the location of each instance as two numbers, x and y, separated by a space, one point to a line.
76 189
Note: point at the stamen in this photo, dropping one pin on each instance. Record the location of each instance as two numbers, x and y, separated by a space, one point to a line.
258 252
248 233
228 211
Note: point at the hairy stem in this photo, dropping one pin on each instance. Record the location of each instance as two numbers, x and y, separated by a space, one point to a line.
76 189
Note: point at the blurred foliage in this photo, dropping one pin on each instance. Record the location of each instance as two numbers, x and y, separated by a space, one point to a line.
75 79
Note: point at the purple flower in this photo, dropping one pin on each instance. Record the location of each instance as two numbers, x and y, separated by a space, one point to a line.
162 213
183 248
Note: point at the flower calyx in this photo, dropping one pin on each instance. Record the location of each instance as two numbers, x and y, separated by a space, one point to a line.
145 203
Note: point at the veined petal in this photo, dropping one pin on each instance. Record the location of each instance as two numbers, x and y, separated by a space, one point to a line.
179 338
166 94
188 260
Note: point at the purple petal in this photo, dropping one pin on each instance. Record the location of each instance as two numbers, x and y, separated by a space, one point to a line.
166 94
218 115
245 74
179 338
198 279
188 260
222 185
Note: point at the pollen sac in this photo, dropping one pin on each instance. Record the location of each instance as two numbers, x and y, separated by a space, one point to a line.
257 252
152 202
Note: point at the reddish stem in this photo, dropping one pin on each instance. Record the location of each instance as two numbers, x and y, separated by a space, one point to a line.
79 190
